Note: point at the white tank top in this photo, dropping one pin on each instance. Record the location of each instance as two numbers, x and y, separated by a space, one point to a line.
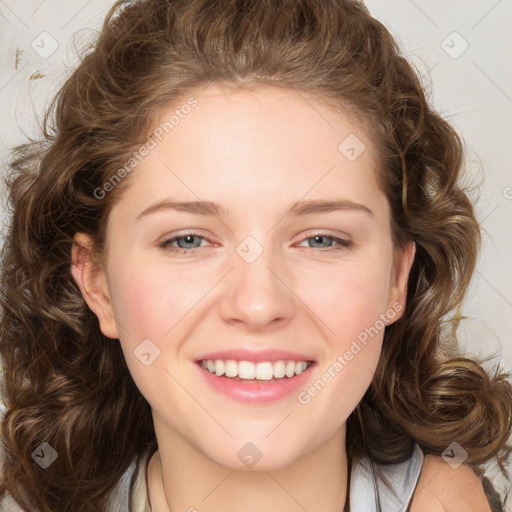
368 493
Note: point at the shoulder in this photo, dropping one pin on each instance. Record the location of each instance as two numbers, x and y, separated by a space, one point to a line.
442 488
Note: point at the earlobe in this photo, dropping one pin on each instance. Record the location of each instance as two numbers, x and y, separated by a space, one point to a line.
403 265
92 283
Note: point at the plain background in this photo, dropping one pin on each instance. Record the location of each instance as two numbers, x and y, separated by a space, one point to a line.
462 50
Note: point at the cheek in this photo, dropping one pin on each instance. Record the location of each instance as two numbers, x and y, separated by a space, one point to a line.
149 300
155 309
353 310
348 300
146 306
351 303
135 307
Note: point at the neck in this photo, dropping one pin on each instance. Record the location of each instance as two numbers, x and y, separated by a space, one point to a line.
180 478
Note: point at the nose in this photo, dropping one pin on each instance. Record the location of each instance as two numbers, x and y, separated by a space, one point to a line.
257 294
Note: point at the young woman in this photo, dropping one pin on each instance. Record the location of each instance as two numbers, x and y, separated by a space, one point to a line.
231 272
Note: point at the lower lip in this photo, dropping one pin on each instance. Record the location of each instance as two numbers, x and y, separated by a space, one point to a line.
256 392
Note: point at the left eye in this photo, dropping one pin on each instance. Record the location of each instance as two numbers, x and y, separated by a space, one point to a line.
182 247
187 244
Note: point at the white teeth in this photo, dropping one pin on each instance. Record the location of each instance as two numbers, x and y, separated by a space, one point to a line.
264 371
246 370
249 371
290 368
219 367
279 369
300 367
231 368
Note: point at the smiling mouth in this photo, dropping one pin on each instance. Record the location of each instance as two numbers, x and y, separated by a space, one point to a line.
261 372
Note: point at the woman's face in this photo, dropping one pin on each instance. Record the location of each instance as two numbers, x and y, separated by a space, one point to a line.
256 275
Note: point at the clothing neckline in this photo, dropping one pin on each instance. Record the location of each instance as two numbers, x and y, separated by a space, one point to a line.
366 489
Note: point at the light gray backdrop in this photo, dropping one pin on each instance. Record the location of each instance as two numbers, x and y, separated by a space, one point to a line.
462 48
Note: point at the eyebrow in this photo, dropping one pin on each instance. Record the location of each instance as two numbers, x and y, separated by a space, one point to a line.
210 209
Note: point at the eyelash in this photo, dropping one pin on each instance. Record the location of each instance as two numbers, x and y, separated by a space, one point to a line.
342 243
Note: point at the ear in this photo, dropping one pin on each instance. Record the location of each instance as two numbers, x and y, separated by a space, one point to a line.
92 281
398 289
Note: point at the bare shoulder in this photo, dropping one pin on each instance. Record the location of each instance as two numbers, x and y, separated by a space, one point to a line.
442 488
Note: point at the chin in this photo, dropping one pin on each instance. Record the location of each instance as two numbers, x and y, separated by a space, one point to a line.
256 456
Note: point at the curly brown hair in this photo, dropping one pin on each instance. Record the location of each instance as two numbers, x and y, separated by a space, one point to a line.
65 383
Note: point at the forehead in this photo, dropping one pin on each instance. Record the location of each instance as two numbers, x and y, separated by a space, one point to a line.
263 142
269 113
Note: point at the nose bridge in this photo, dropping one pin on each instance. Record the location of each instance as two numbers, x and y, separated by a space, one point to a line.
256 294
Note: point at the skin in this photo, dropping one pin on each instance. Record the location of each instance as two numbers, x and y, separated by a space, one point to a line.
442 488
256 153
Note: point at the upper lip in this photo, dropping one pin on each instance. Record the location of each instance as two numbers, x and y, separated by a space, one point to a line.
255 356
